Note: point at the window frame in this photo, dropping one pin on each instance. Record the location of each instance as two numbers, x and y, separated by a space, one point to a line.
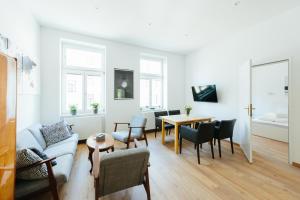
151 77
85 72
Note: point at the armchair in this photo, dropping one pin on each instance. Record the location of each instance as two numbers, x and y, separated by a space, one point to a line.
203 134
136 130
52 186
109 177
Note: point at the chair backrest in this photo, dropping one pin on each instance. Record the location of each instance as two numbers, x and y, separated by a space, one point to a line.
138 121
120 170
174 112
160 113
157 115
226 128
206 131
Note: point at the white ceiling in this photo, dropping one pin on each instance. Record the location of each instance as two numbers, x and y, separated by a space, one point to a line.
173 25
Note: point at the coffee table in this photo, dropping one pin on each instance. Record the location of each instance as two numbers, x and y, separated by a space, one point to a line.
103 146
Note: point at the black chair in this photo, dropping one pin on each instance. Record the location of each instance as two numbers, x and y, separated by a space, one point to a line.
203 134
224 129
158 122
174 112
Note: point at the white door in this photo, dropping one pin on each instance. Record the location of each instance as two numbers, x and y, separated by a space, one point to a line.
245 109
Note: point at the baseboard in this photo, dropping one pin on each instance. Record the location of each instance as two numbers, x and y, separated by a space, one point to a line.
296 164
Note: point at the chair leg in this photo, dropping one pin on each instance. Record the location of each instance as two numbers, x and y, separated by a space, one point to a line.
214 141
155 132
147 185
145 136
212 150
128 143
201 145
231 145
180 144
219 144
198 154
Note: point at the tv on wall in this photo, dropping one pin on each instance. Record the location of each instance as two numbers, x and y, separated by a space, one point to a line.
207 93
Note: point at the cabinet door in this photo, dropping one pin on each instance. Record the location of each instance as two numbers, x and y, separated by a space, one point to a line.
7 126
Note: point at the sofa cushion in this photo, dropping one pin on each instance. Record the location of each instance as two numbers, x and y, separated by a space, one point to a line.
25 187
26 157
55 133
36 132
26 140
123 135
64 147
63 168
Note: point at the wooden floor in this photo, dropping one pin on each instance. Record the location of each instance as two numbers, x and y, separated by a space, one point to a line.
180 177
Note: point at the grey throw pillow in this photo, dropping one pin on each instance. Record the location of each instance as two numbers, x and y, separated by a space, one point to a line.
26 157
55 133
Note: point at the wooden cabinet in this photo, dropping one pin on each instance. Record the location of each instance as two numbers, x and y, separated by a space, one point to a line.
8 93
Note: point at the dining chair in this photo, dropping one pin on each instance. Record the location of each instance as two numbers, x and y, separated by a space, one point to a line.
174 112
224 129
121 170
203 134
136 130
158 122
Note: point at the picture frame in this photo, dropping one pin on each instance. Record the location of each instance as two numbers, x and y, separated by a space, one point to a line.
123 84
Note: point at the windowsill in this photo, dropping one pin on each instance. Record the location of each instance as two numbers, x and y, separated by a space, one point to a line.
148 110
82 115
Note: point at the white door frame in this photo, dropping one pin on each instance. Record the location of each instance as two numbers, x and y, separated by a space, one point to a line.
290 121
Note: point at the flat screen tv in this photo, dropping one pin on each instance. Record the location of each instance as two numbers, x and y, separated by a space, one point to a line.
207 93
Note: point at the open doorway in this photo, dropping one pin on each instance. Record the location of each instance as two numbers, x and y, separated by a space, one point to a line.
270 120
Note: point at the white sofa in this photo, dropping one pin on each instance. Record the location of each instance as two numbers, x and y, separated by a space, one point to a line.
64 151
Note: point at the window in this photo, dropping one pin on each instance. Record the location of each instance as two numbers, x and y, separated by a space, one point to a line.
83 77
151 82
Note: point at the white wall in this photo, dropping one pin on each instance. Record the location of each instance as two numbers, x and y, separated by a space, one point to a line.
218 63
118 55
268 92
21 28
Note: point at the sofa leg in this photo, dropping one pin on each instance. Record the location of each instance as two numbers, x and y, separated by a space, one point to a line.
155 132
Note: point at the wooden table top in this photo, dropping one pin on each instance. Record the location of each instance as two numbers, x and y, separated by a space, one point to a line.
108 143
183 118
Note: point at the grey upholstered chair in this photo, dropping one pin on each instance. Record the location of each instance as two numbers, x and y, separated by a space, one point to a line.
121 170
136 130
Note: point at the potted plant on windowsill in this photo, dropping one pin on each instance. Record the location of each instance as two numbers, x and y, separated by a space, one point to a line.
188 110
95 107
73 109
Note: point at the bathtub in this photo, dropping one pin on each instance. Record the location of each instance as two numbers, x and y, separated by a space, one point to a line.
275 127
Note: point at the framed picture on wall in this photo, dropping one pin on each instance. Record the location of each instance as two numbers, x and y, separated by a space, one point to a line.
123 84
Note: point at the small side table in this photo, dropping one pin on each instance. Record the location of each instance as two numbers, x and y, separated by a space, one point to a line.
103 146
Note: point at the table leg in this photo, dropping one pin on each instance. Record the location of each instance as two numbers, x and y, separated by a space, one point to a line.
91 158
176 138
163 131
